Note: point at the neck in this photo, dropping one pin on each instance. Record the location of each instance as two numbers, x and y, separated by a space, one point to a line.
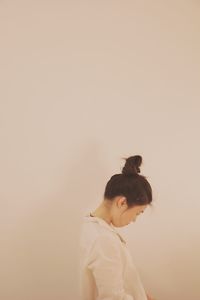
103 211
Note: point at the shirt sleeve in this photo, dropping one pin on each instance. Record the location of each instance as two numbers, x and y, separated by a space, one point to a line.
105 262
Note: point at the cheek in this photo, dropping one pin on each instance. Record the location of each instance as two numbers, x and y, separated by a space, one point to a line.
132 217
128 218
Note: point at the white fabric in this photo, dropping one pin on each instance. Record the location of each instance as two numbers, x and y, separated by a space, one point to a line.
107 271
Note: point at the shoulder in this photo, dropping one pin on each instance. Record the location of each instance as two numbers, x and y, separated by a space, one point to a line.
106 243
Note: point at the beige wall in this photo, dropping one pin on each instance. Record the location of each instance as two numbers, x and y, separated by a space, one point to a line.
84 83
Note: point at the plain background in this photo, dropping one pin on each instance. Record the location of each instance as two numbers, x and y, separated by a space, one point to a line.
83 84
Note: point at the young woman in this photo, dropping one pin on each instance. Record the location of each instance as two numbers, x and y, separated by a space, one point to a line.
107 271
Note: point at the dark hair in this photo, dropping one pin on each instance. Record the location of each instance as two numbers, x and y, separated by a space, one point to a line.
130 184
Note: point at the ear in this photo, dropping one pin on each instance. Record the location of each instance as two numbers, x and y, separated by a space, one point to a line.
121 201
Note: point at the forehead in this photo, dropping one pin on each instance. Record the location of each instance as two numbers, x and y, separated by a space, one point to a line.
139 208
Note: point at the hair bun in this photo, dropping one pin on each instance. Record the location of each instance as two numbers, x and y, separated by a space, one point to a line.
132 165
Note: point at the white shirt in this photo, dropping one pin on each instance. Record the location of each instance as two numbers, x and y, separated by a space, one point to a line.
107 271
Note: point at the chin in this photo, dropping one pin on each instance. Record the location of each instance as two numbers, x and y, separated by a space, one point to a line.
117 225
125 225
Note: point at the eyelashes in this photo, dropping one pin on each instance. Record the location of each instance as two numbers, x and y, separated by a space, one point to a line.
140 213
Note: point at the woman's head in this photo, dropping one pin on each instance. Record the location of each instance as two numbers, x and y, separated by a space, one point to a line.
128 193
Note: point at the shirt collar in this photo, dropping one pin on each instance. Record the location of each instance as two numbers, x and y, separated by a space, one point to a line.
103 223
